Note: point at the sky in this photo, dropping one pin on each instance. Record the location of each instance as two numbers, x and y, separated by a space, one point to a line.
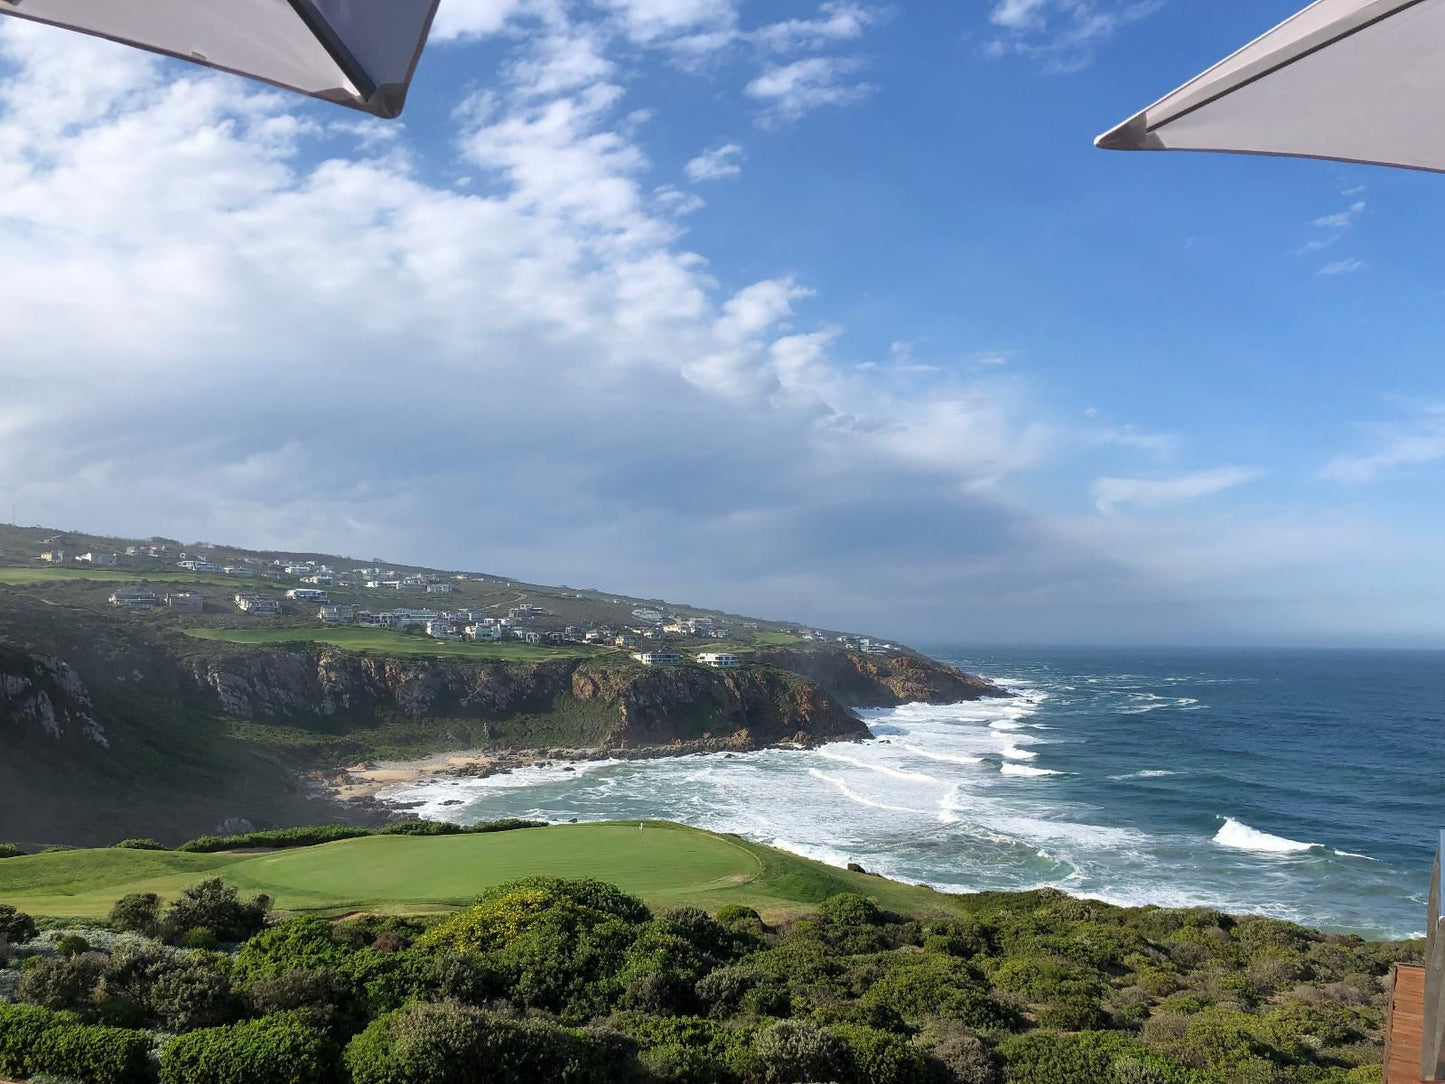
822 312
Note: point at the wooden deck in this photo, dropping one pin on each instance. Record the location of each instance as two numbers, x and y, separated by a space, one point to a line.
1405 1025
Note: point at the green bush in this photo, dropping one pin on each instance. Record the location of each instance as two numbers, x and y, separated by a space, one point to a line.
198 937
139 845
448 1043
139 912
214 905
15 926
190 996
793 1051
66 982
35 1040
741 919
963 1056
880 1057
1090 1057
72 944
273 1050
9 850
930 985
850 909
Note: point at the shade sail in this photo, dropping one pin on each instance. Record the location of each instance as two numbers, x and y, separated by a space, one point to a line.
1350 80
357 53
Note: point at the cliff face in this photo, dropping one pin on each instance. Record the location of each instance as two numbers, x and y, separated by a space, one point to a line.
879 681
610 705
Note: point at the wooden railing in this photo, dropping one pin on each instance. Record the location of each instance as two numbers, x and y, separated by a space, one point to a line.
1432 1048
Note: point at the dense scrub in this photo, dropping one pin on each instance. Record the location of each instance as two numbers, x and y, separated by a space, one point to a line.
575 981
279 838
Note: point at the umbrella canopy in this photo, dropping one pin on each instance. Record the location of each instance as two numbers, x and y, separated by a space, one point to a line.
357 53
1349 80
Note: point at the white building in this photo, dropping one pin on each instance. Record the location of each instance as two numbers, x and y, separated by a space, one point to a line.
98 558
335 615
307 594
657 658
135 598
441 630
484 632
439 589
238 571
257 606
721 660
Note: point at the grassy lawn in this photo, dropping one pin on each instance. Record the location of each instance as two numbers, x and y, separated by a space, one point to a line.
665 864
23 576
763 638
390 642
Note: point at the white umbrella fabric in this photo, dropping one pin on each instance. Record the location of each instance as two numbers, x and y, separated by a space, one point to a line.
1348 80
356 53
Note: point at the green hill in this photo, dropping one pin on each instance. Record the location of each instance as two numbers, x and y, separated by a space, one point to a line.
664 864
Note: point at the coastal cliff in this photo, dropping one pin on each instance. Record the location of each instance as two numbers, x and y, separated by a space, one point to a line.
111 726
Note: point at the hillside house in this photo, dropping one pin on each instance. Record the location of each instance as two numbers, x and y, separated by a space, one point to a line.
439 589
135 598
240 572
442 630
98 558
320 579
719 660
53 557
186 602
308 594
258 606
657 658
533 638
484 632
335 614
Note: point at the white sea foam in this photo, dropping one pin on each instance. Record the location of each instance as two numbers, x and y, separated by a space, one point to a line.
1241 837
1013 752
1148 773
896 773
1352 854
862 799
931 754
1024 769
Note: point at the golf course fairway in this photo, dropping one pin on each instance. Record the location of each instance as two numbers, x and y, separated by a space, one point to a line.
664 864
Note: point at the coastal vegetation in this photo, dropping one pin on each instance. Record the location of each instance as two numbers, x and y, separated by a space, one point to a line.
595 953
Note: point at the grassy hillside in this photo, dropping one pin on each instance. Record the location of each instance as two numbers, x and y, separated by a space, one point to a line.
665 864
390 642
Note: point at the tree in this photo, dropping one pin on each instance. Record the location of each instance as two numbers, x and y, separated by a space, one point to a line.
15 926
140 912
214 905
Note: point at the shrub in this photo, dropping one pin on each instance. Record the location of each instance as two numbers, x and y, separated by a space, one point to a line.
199 937
189 997
273 1050
140 912
214 905
963 1056
850 909
449 1043
561 945
932 985
464 977
34 1040
139 845
792 1051
741 919
15 926
66 982
9 850
880 1057
314 994
1090 1057
72 944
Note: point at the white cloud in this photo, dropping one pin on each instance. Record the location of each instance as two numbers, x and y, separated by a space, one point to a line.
792 90
1408 442
836 21
675 201
1062 35
1347 266
715 163
1110 493
1342 220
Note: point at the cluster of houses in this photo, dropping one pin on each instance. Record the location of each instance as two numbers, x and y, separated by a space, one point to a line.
143 598
859 643
718 660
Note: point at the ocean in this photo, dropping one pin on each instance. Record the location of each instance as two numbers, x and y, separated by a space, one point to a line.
1306 785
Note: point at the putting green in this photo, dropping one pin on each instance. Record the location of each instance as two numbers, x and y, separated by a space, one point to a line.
664 864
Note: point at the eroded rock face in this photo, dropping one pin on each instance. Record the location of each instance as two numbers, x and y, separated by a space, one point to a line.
881 681
649 707
45 693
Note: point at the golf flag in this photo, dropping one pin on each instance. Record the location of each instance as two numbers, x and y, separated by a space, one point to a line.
356 53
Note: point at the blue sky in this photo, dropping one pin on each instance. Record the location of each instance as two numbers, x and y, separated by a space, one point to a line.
823 312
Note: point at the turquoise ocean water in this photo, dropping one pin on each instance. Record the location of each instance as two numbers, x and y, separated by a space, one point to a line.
1309 785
